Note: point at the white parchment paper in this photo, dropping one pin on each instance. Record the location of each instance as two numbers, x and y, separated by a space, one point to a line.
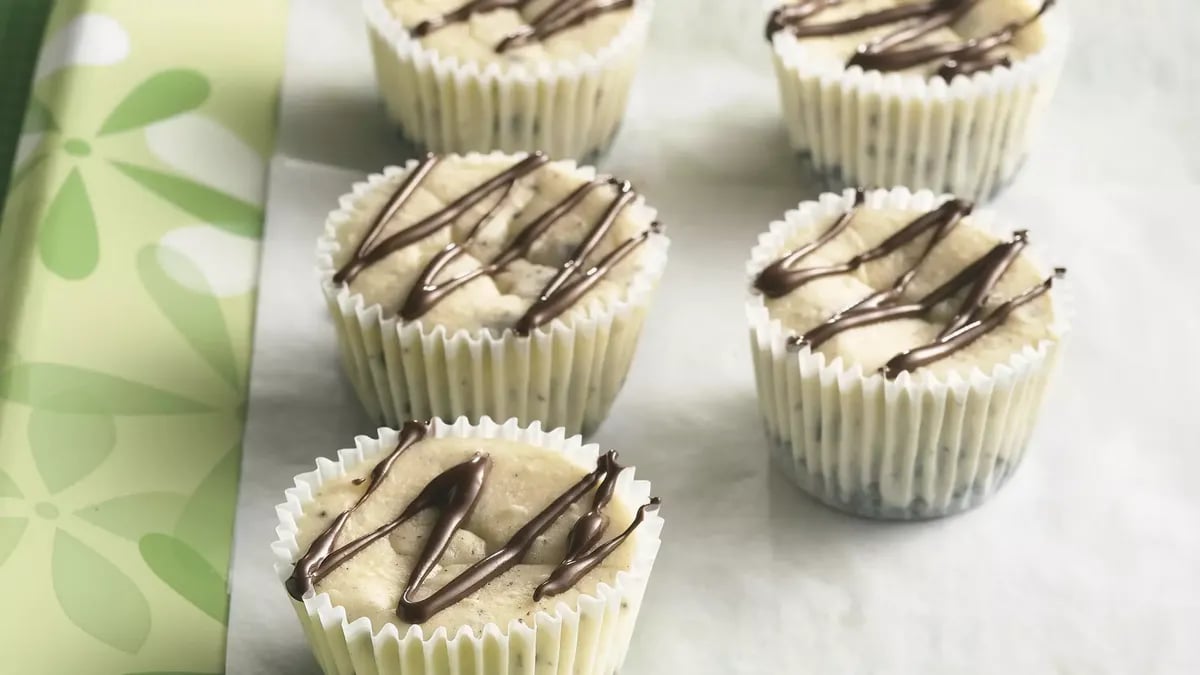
1086 563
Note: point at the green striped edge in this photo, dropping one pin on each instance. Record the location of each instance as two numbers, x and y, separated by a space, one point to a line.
22 28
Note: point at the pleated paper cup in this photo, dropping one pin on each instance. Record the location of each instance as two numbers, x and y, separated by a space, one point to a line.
914 447
566 108
967 137
590 637
566 373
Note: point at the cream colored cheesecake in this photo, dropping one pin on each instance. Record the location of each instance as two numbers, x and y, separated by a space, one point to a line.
902 344
984 18
511 75
872 346
945 95
498 285
490 227
521 480
477 37
460 549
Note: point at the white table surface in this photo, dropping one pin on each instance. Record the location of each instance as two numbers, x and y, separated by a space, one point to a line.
1087 562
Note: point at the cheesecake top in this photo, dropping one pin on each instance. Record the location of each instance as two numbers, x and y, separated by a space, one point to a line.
454 532
895 290
491 243
513 31
927 38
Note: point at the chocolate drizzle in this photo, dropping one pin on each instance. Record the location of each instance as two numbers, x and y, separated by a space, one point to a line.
969 323
561 15
455 493
896 50
570 283
320 559
584 550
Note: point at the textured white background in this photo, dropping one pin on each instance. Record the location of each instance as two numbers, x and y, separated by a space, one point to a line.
1087 562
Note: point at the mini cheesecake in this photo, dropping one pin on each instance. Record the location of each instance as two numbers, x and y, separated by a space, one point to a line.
506 546
512 75
902 346
491 285
938 94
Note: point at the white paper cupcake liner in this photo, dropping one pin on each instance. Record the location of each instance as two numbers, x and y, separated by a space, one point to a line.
565 374
918 446
566 108
968 137
592 637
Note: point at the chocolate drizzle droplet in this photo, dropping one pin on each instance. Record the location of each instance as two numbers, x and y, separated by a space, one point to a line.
895 51
455 493
571 282
978 280
559 16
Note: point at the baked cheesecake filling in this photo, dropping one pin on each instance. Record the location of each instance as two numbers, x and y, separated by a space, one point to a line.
897 291
495 243
935 38
514 30
464 532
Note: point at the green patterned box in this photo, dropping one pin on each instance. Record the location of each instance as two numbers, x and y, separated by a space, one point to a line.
128 260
